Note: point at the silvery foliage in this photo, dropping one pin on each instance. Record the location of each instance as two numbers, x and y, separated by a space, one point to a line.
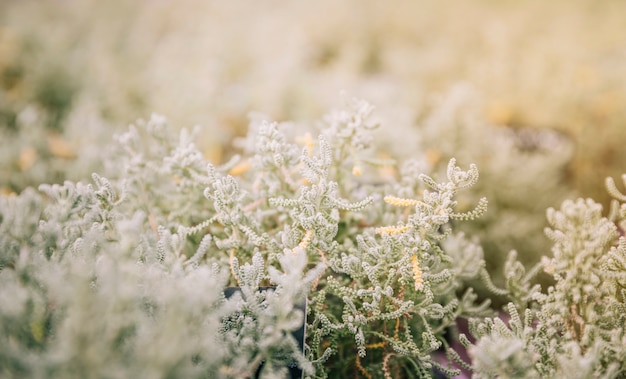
576 329
101 279
328 200
124 276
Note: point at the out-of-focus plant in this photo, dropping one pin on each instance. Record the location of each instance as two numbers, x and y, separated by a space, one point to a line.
115 60
516 165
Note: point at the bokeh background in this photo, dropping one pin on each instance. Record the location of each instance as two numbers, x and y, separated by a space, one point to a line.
532 91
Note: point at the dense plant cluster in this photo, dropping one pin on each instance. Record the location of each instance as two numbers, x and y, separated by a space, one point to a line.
95 275
126 275
166 252
576 329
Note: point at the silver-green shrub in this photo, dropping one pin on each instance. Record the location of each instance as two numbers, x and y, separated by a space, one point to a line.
576 328
124 276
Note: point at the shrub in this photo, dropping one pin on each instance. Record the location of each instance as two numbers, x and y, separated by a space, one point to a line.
125 276
576 329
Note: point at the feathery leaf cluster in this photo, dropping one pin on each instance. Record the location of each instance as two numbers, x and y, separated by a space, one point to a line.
576 329
152 247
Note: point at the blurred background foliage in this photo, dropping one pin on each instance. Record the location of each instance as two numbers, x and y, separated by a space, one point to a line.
545 117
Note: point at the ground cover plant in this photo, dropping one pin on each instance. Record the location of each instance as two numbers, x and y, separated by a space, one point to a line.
125 275
310 217
576 328
120 246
